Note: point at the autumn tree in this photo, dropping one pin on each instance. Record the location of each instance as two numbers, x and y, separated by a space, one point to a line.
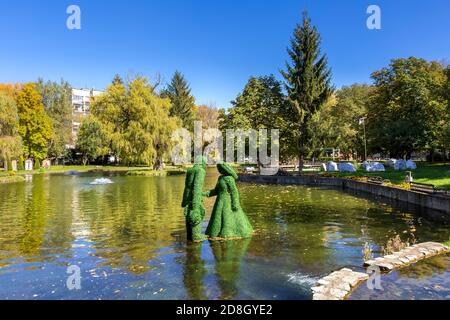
34 125
10 141
208 115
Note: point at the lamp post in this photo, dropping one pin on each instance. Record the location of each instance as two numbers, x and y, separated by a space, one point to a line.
362 122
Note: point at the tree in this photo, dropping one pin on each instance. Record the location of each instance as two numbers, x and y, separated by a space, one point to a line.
256 107
91 141
34 125
10 89
57 99
308 85
208 115
337 124
407 110
10 141
182 102
136 122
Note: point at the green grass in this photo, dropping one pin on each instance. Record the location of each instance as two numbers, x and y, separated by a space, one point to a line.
435 174
138 171
153 173
447 243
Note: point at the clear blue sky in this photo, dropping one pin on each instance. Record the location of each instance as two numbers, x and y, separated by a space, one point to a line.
217 44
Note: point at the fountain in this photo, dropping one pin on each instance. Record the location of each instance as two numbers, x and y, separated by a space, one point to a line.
101 181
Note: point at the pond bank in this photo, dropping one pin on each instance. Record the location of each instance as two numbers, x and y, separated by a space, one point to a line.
431 201
11 179
340 284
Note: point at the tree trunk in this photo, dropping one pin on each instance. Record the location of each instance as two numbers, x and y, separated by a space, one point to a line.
431 155
301 163
158 166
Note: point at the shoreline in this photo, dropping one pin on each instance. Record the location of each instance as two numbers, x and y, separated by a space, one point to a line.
436 202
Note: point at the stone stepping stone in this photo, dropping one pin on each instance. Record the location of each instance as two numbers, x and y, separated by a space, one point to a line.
408 256
338 285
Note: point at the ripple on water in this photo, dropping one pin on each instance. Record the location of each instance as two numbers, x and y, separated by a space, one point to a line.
133 231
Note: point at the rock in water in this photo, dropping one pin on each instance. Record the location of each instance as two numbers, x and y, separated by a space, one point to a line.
332 167
101 181
411 165
346 167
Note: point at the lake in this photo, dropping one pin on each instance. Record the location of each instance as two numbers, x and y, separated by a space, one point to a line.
129 241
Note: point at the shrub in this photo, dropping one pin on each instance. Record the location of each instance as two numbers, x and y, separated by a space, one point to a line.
9 165
396 244
20 164
37 165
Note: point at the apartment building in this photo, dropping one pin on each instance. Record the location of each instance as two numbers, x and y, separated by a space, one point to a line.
81 101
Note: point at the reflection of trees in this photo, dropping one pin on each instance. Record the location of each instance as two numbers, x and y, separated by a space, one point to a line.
131 221
194 272
228 256
427 268
34 216
322 228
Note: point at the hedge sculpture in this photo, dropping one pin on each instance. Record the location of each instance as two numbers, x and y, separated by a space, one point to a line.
228 220
193 200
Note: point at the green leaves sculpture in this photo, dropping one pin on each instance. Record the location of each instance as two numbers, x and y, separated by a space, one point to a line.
228 220
193 200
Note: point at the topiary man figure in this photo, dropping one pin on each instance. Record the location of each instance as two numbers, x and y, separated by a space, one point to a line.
193 200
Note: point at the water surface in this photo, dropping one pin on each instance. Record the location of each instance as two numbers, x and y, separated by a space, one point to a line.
128 239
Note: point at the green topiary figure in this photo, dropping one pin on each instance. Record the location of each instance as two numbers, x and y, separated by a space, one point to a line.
193 200
228 220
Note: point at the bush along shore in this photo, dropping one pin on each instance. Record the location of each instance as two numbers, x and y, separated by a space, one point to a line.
11 179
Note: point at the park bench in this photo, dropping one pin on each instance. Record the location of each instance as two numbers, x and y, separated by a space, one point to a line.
423 187
376 180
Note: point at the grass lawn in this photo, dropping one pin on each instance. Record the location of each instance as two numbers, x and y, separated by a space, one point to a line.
436 174
62 169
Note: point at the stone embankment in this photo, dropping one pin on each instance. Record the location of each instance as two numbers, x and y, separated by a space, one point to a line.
340 284
408 256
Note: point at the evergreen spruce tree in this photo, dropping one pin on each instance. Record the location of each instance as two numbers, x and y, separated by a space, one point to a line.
182 102
308 85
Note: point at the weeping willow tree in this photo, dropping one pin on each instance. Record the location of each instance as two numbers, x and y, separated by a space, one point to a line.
10 141
136 123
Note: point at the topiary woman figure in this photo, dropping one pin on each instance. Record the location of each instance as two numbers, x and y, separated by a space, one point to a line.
228 220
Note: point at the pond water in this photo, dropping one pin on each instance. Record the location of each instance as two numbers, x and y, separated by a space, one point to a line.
128 239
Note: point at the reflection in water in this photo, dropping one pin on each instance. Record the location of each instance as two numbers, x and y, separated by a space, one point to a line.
428 279
228 256
194 272
129 239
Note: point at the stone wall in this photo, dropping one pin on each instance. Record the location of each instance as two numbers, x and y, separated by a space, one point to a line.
439 203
